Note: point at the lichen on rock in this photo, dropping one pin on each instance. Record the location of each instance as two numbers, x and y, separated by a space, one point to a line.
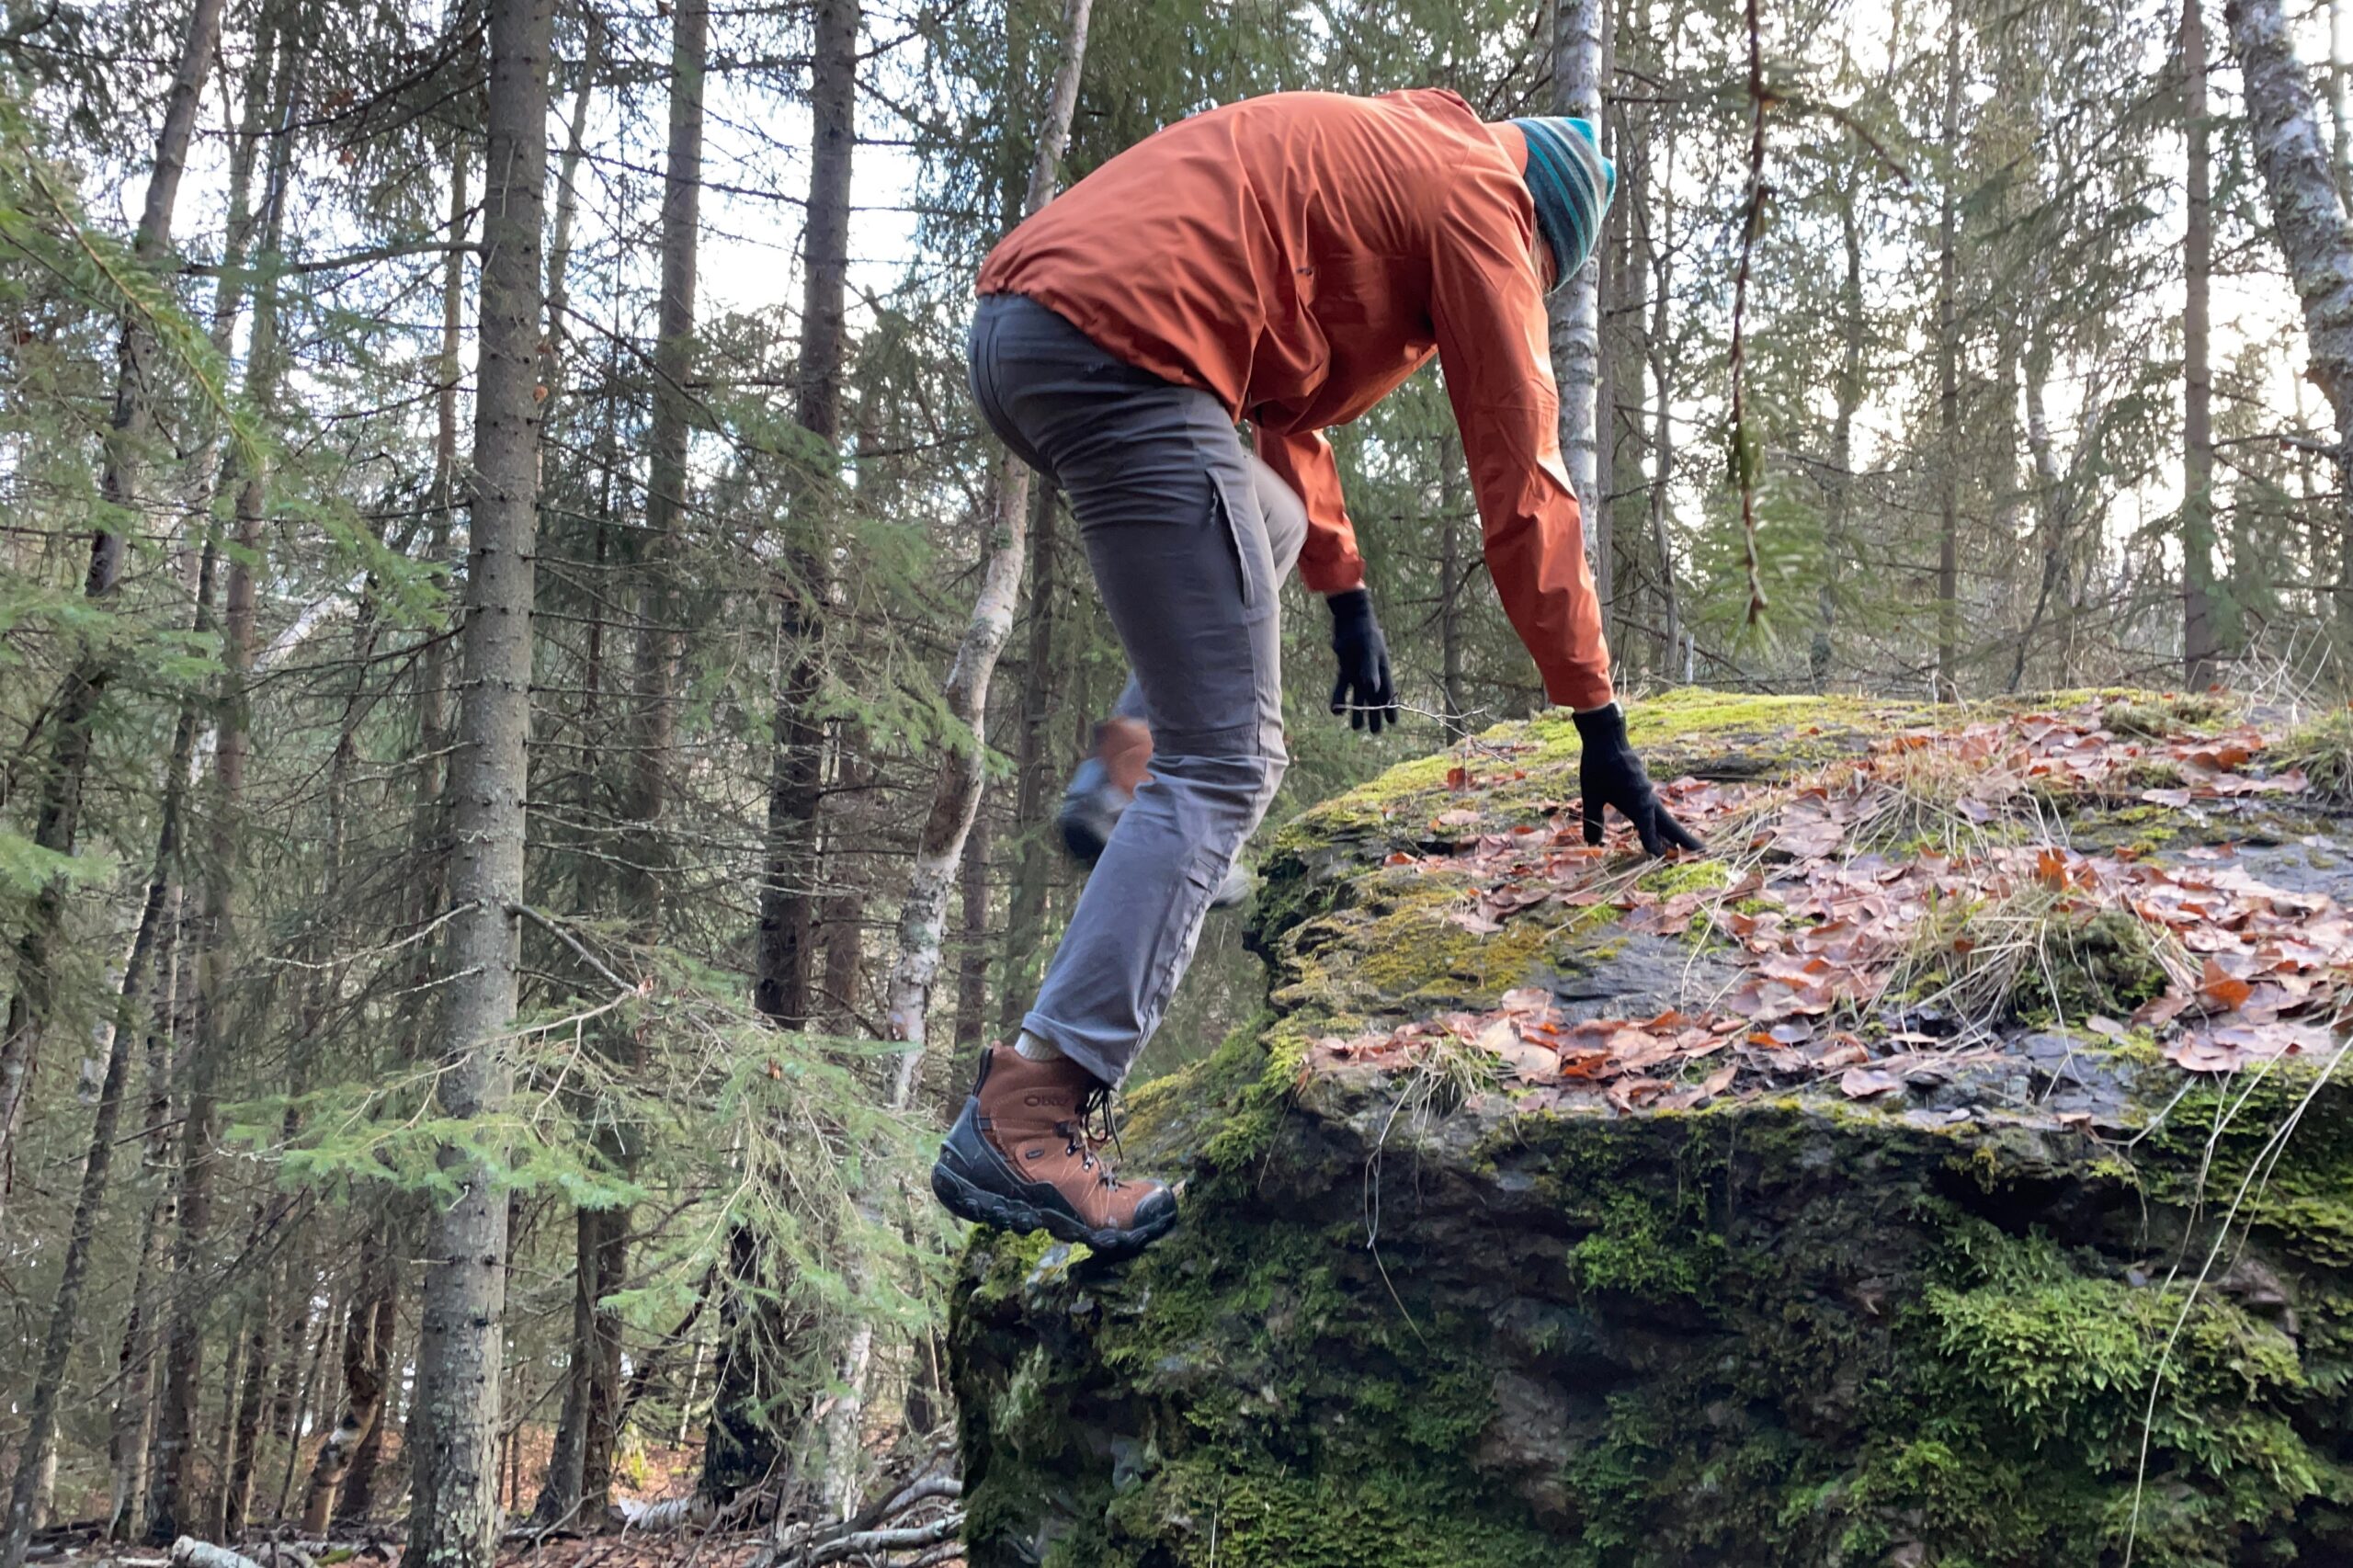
2018 1295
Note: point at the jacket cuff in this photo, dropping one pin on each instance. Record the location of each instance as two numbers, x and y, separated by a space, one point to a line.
1582 692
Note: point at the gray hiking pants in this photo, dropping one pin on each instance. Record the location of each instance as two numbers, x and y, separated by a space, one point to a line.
1286 518
1162 488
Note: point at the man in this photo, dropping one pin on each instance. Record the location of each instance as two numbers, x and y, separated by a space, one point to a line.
1286 261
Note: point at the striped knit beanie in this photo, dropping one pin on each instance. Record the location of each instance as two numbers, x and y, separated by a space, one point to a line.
1572 183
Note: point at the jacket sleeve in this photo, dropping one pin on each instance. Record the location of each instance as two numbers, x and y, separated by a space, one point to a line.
1328 562
1487 308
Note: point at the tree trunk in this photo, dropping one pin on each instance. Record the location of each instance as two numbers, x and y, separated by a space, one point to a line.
567 207
2340 93
743 1446
295 1406
214 931
36 1452
1609 335
120 481
956 796
264 371
1662 260
2309 219
559 1501
791 891
1451 584
1025 913
2200 643
583 1427
357 1494
363 1396
1838 550
1948 386
1578 31
972 941
454 1514
608 1275
245 1450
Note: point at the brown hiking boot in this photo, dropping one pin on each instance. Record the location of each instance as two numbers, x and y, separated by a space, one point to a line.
1020 1158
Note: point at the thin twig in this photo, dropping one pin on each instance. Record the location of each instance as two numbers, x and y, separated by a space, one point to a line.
547 922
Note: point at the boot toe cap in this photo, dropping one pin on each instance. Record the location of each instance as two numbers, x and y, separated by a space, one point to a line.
1156 1212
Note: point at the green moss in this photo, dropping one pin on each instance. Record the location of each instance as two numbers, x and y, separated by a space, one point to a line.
2027 1398
2153 716
1668 878
2324 749
1279 1519
1690 712
2106 965
1395 947
1642 1251
2275 1143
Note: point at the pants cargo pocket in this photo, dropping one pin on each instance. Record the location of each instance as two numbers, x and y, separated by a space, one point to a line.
1239 519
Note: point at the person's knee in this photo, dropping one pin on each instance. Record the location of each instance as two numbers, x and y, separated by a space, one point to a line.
1245 771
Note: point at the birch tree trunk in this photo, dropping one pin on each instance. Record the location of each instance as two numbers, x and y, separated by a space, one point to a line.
973 955
453 1519
2340 93
2309 219
1576 308
956 796
120 483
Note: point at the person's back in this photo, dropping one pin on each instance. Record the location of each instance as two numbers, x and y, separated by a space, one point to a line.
1276 252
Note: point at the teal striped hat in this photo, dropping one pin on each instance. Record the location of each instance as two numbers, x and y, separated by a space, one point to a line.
1573 185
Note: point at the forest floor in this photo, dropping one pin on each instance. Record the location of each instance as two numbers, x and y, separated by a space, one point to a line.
650 1476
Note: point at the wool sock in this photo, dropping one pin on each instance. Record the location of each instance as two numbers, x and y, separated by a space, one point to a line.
1038 1049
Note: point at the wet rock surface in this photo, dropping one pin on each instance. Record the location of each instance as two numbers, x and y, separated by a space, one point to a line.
1919 1279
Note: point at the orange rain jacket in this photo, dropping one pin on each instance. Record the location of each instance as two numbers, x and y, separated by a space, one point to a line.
1299 255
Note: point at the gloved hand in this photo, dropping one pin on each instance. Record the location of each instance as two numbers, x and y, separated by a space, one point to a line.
1364 691
1611 775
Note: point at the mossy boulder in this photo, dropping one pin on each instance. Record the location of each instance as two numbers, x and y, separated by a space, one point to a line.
2047 1299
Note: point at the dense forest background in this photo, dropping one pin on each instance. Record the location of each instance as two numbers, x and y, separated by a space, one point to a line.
491 694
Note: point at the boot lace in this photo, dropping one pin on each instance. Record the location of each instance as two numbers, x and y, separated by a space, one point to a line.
1095 1111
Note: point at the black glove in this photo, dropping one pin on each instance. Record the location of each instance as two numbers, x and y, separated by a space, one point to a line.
1364 691
1611 775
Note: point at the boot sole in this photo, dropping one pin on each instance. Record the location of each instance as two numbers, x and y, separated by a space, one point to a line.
968 1201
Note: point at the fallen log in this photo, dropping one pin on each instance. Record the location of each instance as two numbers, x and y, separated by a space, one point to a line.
670 1514
189 1552
864 1544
